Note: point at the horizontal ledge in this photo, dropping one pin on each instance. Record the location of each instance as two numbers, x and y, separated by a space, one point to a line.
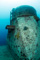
10 27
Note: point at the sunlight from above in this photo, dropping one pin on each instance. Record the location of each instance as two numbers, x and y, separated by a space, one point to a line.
7 5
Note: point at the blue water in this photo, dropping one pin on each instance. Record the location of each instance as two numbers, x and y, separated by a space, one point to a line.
3 31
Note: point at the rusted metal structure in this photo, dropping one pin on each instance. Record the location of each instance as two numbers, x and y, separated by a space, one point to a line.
22 35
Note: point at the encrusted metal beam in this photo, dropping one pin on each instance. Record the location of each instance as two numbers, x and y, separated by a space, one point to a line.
10 27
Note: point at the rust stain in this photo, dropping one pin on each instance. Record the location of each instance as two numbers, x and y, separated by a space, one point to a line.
10 27
17 36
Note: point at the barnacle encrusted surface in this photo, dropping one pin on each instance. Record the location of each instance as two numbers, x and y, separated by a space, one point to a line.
23 40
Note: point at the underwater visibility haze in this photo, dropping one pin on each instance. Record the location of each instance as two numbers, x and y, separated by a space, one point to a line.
5 7
19 29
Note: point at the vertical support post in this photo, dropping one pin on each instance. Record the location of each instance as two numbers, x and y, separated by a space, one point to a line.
10 18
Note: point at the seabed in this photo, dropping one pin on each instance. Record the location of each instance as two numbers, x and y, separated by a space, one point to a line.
5 54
